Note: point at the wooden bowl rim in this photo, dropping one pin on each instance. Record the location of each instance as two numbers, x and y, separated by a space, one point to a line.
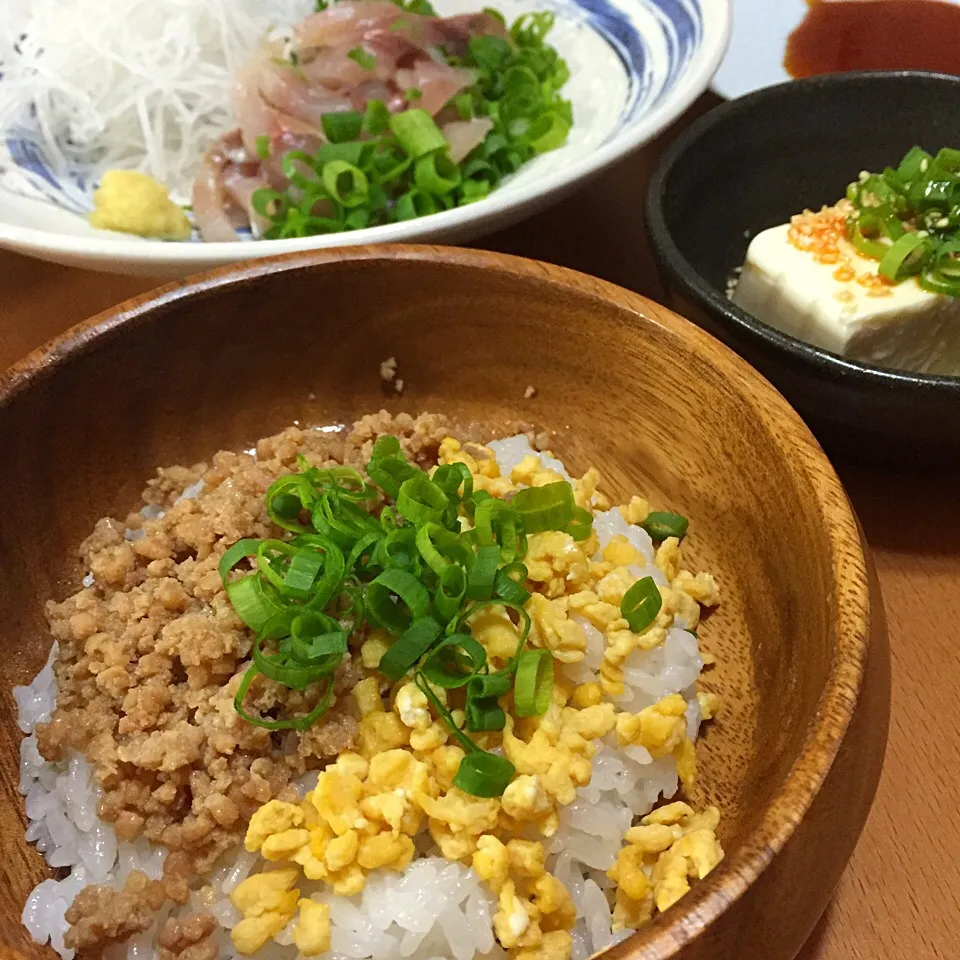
714 895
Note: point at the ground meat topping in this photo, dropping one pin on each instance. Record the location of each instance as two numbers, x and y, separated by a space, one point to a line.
152 653
188 939
100 916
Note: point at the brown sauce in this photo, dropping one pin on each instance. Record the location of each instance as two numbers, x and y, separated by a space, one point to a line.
841 35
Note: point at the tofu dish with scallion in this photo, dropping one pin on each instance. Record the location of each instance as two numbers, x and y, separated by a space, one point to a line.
365 113
875 277
394 690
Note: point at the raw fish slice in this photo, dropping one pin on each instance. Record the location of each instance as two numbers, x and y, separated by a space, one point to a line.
240 187
255 115
290 91
452 33
465 135
348 23
437 82
333 69
214 214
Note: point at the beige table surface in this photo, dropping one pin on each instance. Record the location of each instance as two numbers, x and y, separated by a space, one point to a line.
900 897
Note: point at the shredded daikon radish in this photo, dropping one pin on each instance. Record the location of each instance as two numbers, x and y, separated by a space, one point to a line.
134 84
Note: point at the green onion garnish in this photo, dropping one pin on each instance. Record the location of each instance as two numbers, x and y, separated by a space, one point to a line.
484 774
343 126
360 56
405 566
406 651
661 525
417 133
641 604
908 218
395 599
905 257
533 690
263 147
455 662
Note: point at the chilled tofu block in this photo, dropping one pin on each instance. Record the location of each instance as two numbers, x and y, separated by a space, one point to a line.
806 279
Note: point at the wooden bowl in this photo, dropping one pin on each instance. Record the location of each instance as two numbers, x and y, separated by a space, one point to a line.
222 359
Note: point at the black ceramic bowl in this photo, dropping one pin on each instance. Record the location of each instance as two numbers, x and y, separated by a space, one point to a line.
750 164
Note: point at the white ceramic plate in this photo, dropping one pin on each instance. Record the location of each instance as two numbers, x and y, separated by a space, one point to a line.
635 65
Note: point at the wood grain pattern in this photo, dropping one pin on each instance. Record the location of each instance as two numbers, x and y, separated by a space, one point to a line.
655 403
900 895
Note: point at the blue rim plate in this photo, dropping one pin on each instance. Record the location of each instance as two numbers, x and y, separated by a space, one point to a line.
636 65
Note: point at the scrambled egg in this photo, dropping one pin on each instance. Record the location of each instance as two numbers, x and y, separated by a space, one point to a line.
532 903
670 846
311 935
267 901
368 807
133 202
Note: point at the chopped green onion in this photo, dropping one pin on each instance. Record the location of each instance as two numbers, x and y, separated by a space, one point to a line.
240 550
417 133
251 602
302 572
412 94
342 126
376 119
581 524
533 688
509 581
482 716
409 648
661 525
317 641
345 183
454 662
280 669
451 590
483 572
905 216
413 204
398 549
263 147
436 173
283 497
489 52
389 472
395 599
360 56
420 499
294 723
641 604
463 104
549 507
386 446
530 29
489 686
934 283
484 774
905 257
442 711
547 132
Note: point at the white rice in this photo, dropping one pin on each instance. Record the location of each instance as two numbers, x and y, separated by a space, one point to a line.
434 908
